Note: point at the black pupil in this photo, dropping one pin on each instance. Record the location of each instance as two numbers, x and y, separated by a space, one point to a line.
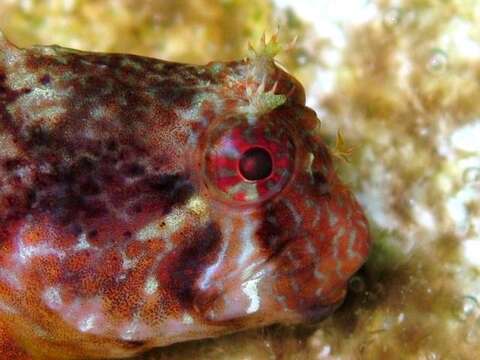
256 164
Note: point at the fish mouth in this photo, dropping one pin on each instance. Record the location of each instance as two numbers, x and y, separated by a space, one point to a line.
246 300
246 305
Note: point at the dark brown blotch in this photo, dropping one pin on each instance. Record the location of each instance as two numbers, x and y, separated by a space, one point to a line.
272 236
190 263
133 170
174 188
38 137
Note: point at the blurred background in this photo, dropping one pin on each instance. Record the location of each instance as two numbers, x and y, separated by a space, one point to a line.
401 80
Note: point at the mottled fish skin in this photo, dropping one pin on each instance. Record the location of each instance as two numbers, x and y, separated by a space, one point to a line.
127 220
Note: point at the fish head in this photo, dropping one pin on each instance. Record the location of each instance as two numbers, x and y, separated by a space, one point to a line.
292 233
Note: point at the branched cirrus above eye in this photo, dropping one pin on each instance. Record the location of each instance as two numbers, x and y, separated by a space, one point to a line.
249 163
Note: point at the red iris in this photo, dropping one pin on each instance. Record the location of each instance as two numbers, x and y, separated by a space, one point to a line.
249 163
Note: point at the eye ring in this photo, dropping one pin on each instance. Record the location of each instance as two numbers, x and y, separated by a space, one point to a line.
245 163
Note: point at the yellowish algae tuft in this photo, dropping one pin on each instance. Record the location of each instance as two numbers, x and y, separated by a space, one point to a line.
400 80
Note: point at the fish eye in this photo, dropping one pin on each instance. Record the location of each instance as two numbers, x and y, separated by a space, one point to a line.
248 163
255 164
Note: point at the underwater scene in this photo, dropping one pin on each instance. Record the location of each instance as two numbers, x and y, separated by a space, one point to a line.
395 85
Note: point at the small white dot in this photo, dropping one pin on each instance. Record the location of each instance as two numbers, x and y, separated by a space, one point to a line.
87 323
151 285
187 319
52 298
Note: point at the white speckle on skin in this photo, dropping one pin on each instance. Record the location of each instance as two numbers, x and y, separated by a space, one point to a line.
151 231
187 319
39 100
193 112
340 232
151 286
296 216
309 163
352 238
246 236
332 217
82 242
98 112
210 271
129 331
250 288
87 323
197 205
128 263
26 252
11 278
51 297
162 228
135 330
85 314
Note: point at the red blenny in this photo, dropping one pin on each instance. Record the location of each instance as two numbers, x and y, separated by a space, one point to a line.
145 202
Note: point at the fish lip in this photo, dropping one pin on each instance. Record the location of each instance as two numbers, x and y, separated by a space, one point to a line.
316 314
